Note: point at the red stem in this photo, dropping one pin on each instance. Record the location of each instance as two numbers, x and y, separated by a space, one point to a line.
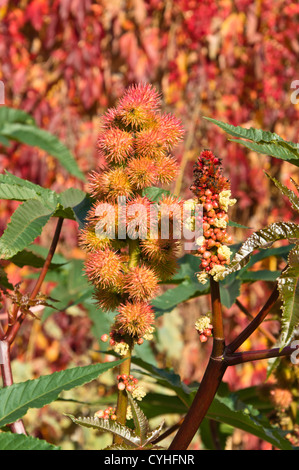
247 356
200 405
255 323
211 380
7 339
14 328
18 426
222 357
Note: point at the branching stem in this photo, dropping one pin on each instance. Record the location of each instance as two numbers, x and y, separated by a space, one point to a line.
14 326
221 358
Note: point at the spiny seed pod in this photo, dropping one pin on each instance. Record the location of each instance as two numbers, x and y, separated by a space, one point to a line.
135 319
141 283
103 267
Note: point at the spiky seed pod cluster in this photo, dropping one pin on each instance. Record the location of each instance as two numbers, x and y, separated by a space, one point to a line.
135 142
212 191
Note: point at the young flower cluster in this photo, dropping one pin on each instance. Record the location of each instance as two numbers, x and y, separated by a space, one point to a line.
127 382
204 328
212 191
108 413
125 263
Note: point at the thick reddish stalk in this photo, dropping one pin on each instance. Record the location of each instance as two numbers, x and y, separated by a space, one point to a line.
211 380
200 405
248 356
222 357
255 323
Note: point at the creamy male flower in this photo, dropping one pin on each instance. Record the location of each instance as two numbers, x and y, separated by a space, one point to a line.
224 200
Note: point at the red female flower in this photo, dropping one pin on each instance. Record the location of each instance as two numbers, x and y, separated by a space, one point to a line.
212 190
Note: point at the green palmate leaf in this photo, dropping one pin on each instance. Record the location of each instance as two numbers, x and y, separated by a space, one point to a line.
20 190
72 197
152 435
73 204
4 141
167 301
262 275
11 115
81 210
25 226
276 150
18 398
188 286
167 378
261 141
256 135
230 289
157 404
154 193
293 198
39 205
232 411
235 224
16 193
118 447
228 409
288 285
279 252
107 425
262 239
210 428
4 283
140 420
32 135
10 441
27 258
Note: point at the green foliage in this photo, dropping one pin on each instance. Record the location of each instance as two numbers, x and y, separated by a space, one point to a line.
107 425
188 287
288 285
9 441
71 288
19 189
139 439
25 226
39 205
154 193
19 126
263 238
293 198
232 411
18 398
35 260
261 141
140 421
227 408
